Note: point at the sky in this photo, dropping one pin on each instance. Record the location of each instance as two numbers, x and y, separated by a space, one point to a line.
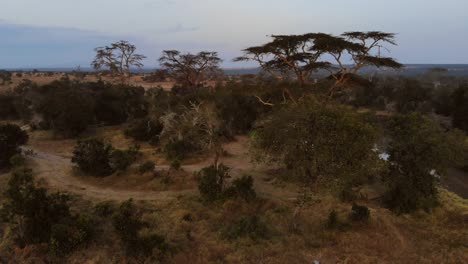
64 33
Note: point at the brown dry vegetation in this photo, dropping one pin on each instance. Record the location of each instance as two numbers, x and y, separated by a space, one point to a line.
294 236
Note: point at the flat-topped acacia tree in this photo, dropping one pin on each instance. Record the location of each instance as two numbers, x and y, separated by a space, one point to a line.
118 58
303 54
362 48
191 70
286 54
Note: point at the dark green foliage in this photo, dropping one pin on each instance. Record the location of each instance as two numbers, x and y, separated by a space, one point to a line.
68 236
360 213
128 225
120 160
211 182
8 109
116 104
250 226
411 96
38 217
332 220
17 160
67 108
5 76
11 138
460 107
39 210
420 152
104 209
93 156
212 185
238 112
176 164
179 150
316 140
242 188
148 166
144 130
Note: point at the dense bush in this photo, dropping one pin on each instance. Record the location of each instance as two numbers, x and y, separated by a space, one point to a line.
250 226
8 109
11 138
67 109
242 188
148 166
315 140
238 112
127 224
68 236
360 213
178 150
420 152
93 156
120 160
460 107
144 130
211 182
38 217
117 104
332 220
17 160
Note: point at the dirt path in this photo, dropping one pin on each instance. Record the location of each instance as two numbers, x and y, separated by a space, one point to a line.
56 170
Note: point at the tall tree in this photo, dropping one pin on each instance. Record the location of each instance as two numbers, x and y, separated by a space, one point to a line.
191 70
304 54
118 58
288 54
362 48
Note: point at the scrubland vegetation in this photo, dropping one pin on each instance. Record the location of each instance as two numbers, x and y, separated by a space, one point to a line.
290 166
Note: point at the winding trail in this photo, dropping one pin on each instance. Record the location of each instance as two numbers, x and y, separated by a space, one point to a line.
57 172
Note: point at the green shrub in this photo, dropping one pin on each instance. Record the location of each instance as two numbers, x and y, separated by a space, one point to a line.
104 209
67 108
38 217
315 140
332 220
360 213
178 149
176 164
250 226
419 151
67 237
144 130
17 160
148 166
242 188
120 160
93 156
128 225
11 138
211 182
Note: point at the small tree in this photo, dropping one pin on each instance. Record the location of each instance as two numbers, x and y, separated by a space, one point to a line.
118 58
191 70
11 138
128 225
420 153
93 156
212 181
